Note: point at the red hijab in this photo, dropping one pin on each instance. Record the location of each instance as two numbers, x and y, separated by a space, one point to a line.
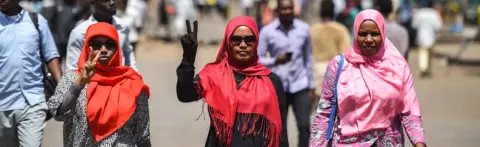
113 89
255 97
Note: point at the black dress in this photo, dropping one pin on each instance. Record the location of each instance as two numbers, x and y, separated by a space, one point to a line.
186 92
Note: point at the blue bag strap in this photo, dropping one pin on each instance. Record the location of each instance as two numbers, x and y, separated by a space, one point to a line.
333 112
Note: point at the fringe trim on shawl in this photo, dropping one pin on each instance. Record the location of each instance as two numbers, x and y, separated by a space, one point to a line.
249 126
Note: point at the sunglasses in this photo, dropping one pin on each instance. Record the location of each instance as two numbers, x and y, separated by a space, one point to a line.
251 39
97 45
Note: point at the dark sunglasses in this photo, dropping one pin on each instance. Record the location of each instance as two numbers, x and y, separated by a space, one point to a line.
251 39
97 45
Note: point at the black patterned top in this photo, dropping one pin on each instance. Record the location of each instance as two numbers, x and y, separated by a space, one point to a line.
68 104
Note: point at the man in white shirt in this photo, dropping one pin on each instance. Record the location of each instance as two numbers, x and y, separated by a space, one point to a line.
428 23
185 10
104 11
130 14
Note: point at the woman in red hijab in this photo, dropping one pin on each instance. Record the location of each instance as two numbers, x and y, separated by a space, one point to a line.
245 100
102 103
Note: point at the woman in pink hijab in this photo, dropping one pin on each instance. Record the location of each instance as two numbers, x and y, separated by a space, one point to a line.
375 93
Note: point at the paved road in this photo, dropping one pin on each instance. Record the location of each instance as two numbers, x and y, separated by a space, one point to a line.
449 101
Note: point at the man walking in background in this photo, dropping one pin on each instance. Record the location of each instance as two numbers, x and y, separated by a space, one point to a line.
428 23
287 40
329 39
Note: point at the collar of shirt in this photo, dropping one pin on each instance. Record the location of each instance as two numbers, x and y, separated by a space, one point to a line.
279 25
18 17
114 21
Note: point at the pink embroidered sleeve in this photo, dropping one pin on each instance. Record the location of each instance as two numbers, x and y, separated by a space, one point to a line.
414 128
320 123
411 116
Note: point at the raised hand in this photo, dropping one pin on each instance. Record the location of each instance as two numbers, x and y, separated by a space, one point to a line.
189 42
88 69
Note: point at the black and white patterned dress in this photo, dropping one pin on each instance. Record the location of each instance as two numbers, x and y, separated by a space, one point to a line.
76 131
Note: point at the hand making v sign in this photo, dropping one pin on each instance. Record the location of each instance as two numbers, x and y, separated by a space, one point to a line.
88 69
189 42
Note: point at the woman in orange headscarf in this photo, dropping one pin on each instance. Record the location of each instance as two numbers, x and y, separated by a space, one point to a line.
246 100
102 103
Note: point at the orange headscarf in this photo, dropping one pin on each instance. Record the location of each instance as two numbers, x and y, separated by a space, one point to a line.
113 89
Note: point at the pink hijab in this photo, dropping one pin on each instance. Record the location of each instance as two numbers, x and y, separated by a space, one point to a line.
374 90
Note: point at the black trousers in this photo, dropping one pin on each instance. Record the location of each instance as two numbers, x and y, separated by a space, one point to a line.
302 108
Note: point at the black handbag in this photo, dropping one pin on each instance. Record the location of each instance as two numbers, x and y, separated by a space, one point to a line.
49 82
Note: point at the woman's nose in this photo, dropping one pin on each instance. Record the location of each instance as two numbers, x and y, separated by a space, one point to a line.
243 44
103 49
369 39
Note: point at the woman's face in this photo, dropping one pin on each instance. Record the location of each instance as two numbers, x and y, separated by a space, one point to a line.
104 46
369 38
242 44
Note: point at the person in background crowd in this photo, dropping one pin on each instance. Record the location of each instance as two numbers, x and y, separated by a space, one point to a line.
246 102
367 4
128 20
104 11
185 9
339 7
329 38
301 9
138 9
223 7
395 32
349 13
268 13
247 7
428 23
374 93
68 14
405 18
102 103
164 17
287 40
49 11
23 51
201 7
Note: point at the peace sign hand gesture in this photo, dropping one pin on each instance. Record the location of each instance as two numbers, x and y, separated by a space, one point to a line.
189 42
88 69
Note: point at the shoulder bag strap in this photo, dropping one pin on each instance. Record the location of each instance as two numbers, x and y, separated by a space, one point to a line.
34 17
333 112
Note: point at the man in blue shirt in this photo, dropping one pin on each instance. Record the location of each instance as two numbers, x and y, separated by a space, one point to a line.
22 99
288 41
